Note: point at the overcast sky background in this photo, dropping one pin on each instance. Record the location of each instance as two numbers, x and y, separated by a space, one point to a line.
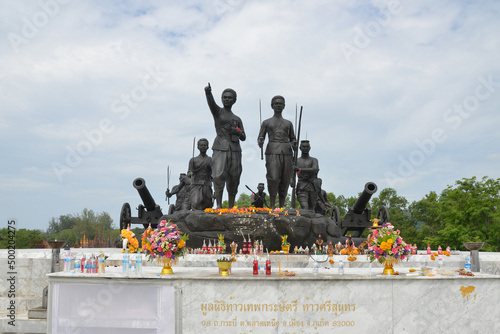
97 93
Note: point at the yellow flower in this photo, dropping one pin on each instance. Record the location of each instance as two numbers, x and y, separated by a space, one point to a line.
181 243
390 241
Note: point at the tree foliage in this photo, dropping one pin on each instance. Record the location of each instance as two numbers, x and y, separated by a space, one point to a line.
464 212
23 238
72 228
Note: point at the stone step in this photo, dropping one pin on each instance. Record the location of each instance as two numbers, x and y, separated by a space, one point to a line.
37 313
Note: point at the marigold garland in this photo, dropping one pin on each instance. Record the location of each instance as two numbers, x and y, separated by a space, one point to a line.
133 243
247 210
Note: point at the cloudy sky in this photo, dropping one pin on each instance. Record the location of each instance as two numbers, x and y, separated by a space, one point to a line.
97 93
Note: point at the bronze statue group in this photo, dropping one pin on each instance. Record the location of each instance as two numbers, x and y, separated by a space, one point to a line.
224 168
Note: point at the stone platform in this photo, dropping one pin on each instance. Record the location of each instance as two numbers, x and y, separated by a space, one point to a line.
198 300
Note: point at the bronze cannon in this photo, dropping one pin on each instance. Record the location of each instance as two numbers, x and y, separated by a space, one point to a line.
148 213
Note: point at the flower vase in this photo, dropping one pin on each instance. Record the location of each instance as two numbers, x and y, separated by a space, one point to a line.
388 265
224 268
167 266
285 248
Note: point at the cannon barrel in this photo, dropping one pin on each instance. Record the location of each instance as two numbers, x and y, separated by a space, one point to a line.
364 198
147 199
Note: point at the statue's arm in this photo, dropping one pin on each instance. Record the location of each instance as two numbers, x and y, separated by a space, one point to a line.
262 134
190 168
214 108
313 169
176 189
293 139
241 131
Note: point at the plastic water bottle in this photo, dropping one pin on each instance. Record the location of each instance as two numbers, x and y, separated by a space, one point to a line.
125 262
76 267
88 265
138 264
315 268
93 265
341 267
467 264
67 262
440 263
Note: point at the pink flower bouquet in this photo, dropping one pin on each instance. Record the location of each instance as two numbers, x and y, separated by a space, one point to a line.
387 243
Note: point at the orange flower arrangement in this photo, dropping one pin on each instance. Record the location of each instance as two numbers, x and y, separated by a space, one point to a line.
133 243
433 255
245 210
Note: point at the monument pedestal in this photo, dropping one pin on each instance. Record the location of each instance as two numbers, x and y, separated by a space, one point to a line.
198 300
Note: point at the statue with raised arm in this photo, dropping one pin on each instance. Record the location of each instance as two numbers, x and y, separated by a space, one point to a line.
279 154
182 191
307 171
200 172
226 158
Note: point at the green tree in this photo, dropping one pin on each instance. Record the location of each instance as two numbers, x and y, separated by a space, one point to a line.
64 222
72 228
23 238
244 201
464 212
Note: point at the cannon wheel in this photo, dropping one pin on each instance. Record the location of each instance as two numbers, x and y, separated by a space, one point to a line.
125 216
171 209
336 214
383 214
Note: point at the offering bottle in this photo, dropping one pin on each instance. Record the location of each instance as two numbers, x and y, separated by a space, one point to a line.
467 264
102 264
67 262
268 266
76 267
440 250
138 263
316 268
82 264
429 251
125 262
255 267
341 267
244 247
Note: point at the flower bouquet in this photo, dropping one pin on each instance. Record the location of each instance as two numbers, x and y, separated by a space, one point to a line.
224 264
165 244
387 247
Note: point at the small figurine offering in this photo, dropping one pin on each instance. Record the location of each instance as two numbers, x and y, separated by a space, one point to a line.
234 247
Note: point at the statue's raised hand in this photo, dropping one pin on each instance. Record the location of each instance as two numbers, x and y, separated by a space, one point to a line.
208 88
